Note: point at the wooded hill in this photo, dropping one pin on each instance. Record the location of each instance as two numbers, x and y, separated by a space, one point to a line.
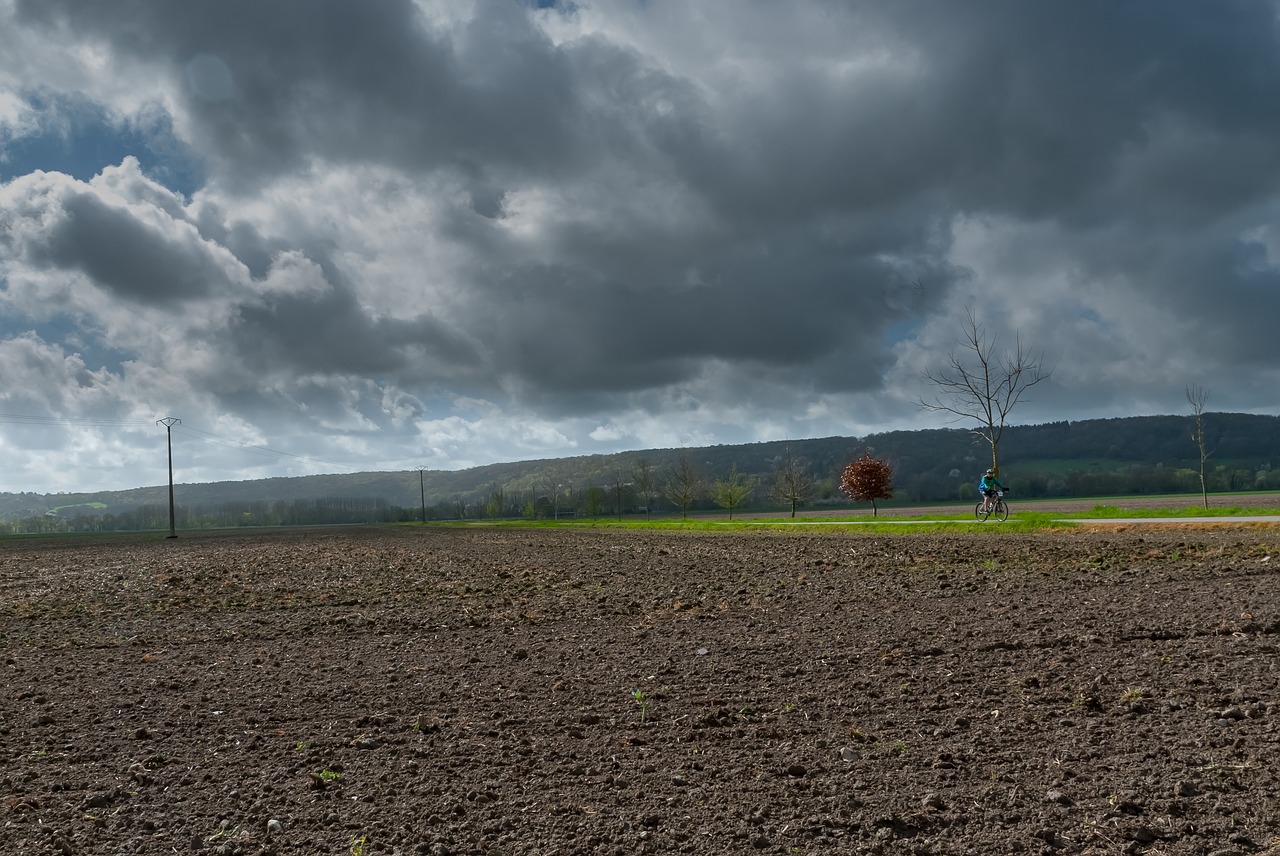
1098 457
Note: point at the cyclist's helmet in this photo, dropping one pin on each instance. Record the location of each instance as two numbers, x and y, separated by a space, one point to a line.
990 471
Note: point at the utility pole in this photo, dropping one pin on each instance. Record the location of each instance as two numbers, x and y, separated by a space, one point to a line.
422 489
168 422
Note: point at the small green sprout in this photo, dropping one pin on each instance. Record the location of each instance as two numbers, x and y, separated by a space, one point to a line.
643 700
320 779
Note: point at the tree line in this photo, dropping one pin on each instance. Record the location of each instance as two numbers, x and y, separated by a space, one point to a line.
155 516
682 487
1100 457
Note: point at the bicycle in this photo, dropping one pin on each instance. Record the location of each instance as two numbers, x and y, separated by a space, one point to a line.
999 509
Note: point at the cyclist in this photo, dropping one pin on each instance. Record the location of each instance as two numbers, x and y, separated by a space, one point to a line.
988 486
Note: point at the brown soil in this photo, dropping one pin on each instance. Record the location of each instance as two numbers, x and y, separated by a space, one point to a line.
554 691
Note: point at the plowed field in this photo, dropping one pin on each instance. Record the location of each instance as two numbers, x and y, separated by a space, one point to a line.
556 691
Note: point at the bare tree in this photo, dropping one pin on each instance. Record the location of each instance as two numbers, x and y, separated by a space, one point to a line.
620 486
792 482
683 483
1197 396
731 492
642 475
496 503
868 479
557 493
980 384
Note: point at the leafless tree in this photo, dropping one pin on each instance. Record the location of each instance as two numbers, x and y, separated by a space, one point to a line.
556 492
642 475
1197 396
683 483
981 384
620 486
792 482
731 492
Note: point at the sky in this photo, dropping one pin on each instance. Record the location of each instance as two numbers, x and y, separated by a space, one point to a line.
336 237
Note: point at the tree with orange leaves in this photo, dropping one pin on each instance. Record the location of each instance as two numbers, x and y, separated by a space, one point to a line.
868 479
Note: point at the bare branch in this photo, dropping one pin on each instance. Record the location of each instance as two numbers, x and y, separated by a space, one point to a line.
1197 396
980 385
792 482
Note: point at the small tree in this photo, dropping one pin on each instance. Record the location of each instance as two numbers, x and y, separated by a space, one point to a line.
642 475
683 484
732 491
1197 396
868 479
620 487
983 385
595 501
792 482
550 507
496 504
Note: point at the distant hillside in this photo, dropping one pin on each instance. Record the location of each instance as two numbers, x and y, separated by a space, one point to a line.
1150 454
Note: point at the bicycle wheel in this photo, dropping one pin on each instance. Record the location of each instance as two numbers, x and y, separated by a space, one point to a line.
1001 511
979 513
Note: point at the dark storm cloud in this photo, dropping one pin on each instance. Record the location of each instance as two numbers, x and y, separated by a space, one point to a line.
1147 120
329 332
119 252
565 331
1068 103
343 81
1029 109
1022 107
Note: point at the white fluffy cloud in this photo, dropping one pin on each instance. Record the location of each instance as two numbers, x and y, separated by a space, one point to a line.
398 233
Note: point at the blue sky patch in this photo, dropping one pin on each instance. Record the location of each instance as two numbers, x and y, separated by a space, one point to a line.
81 140
72 336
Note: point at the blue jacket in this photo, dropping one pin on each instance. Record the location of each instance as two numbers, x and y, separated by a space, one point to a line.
990 483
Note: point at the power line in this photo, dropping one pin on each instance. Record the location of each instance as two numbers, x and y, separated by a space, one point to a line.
194 433
75 422
231 443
